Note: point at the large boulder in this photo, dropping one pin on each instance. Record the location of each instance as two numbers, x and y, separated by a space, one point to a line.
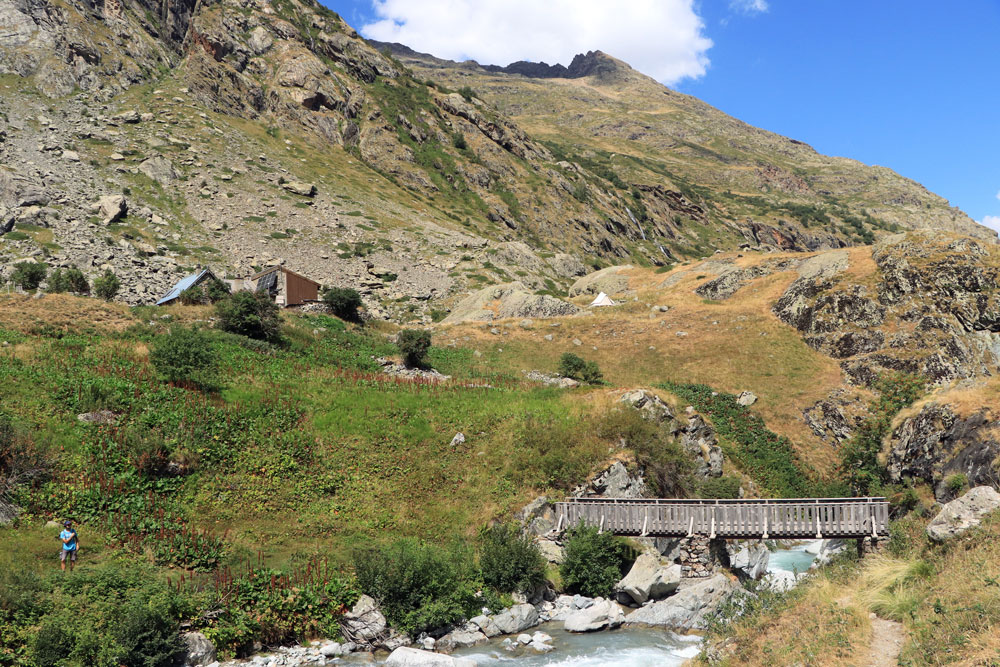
649 404
460 638
615 482
414 657
689 607
602 614
159 169
963 513
650 579
111 208
611 281
301 189
516 619
198 649
749 559
364 624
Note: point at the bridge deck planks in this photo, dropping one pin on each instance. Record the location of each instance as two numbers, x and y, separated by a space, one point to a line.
793 518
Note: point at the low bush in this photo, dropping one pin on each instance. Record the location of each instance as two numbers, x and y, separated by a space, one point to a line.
594 562
572 366
250 314
726 487
420 587
107 286
509 560
414 345
70 280
343 302
210 291
666 466
29 275
187 357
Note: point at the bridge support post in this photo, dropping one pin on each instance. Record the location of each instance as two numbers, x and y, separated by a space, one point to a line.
868 545
700 555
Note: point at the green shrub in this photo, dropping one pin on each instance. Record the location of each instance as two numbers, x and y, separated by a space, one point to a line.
594 562
458 141
956 483
467 92
420 587
147 635
860 467
29 275
212 290
726 486
106 287
250 314
666 465
76 281
185 356
510 561
57 282
572 366
343 302
413 345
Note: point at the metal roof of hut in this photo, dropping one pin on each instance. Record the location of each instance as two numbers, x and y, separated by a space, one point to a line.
187 282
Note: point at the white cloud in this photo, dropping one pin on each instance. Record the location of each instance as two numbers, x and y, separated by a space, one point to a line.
991 221
998 194
662 38
749 6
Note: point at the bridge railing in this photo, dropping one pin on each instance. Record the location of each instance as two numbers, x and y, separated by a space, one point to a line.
743 518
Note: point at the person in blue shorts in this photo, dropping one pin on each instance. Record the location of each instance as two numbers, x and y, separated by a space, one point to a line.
70 545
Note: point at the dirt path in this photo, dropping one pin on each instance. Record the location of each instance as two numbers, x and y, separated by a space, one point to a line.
887 642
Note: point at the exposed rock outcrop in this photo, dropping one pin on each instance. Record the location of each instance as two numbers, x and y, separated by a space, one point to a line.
689 608
936 444
651 578
512 300
611 280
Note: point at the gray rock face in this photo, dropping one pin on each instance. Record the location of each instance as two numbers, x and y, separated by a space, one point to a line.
936 443
511 300
198 650
650 579
611 281
749 559
413 657
615 482
688 608
699 439
602 614
964 513
516 619
486 625
567 266
538 516
649 404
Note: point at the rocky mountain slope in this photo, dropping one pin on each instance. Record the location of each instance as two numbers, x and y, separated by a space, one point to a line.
151 138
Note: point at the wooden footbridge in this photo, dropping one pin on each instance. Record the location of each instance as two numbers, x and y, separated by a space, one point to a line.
795 518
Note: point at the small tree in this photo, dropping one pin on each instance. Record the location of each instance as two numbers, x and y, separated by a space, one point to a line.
210 291
343 302
594 561
414 345
250 314
510 562
107 286
572 366
186 356
29 275
57 282
76 281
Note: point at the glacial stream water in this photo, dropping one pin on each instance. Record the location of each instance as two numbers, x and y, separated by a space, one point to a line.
632 647
638 647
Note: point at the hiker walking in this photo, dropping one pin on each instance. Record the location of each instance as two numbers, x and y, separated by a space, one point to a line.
70 544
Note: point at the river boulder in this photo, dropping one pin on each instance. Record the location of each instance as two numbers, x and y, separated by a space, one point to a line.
364 623
198 649
963 513
460 638
414 657
601 615
516 619
748 559
687 609
649 579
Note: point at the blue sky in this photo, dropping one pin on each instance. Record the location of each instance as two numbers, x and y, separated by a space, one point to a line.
914 86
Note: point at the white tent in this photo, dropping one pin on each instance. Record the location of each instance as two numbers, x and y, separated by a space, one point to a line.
602 300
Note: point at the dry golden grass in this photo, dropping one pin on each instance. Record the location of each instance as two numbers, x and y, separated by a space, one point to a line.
19 312
733 345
